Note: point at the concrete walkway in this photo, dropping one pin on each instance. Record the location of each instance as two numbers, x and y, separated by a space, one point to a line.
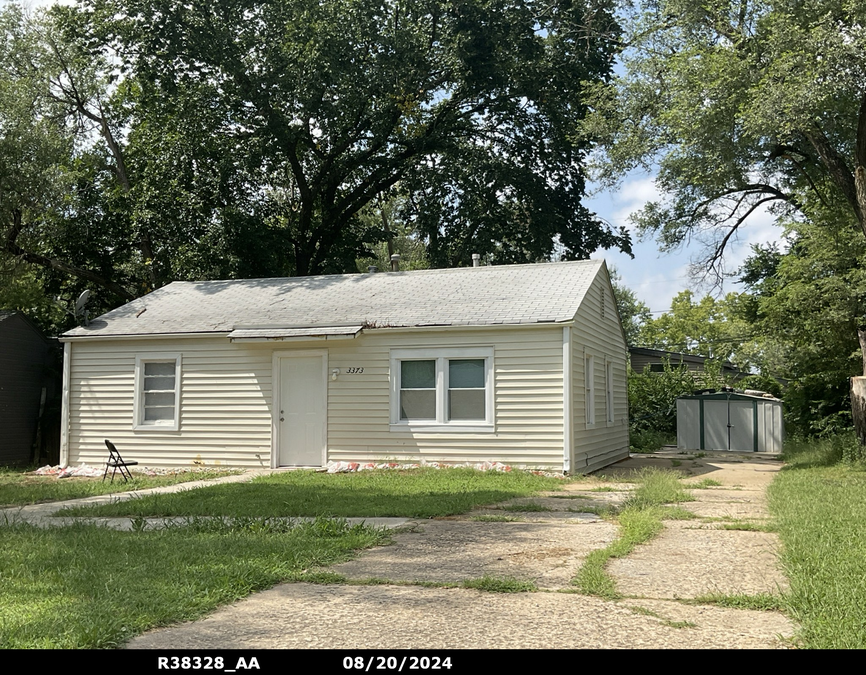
403 595
42 515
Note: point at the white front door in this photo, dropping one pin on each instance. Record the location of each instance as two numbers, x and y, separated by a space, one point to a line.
301 416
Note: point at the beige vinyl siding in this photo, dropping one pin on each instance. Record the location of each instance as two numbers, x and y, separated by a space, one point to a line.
598 334
226 400
527 373
225 404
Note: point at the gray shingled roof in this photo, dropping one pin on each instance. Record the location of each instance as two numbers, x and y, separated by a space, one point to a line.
505 294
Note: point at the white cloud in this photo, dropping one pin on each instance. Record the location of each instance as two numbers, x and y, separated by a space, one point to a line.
616 206
657 277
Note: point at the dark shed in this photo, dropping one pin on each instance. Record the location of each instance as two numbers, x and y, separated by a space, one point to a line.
25 386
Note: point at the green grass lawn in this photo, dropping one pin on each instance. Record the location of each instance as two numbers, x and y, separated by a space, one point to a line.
419 493
820 508
18 488
85 586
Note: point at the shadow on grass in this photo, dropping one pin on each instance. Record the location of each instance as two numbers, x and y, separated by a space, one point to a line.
422 494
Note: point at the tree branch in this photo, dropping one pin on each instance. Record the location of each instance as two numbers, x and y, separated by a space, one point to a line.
839 172
712 263
860 165
11 246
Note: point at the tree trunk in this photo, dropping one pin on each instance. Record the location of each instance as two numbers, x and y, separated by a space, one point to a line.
858 393
858 407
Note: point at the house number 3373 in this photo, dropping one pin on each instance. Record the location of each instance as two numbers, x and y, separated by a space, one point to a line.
354 371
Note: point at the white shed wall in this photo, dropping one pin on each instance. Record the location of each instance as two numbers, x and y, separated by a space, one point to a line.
688 424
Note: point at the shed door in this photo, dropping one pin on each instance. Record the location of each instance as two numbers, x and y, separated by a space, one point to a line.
302 415
742 426
729 425
715 425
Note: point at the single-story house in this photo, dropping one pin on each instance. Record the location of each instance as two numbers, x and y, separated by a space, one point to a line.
26 386
640 358
521 364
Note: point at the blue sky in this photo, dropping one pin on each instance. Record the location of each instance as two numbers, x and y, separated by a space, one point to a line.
657 277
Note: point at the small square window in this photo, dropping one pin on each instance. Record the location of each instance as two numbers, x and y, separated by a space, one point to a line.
157 394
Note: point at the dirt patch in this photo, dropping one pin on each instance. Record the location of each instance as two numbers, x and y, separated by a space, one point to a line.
547 554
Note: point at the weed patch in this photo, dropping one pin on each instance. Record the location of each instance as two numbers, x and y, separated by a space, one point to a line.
500 585
496 519
747 526
657 488
705 483
527 507
640 519
763 602
680 624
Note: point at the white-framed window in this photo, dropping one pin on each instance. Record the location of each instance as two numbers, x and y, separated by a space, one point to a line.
589 384
157 392
608 380
442 389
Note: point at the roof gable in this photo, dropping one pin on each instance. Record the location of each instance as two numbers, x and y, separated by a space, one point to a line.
479 296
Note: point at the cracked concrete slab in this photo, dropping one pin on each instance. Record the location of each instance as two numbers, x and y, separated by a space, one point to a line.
547 554
686 563
303 616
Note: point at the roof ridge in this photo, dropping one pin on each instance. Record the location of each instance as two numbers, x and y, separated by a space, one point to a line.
492 295
431 270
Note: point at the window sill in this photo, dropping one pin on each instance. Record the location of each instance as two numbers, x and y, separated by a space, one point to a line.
433 428
172 426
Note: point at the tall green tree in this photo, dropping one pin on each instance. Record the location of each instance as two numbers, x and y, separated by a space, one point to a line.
632 312
306 112
58 174
705 327
743 105
806 300
143 141
740 104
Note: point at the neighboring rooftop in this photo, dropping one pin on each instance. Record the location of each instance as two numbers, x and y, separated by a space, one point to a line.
464 296
655 358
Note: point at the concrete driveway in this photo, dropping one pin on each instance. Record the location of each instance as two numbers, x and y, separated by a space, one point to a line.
403 595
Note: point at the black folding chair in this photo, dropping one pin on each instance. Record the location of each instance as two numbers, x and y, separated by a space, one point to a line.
116 461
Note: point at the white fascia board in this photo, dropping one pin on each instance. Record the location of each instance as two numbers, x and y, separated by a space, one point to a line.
143 336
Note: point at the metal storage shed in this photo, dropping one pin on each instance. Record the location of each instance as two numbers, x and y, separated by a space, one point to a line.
729 421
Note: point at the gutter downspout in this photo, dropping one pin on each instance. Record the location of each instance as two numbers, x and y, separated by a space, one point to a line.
567 402
64 409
